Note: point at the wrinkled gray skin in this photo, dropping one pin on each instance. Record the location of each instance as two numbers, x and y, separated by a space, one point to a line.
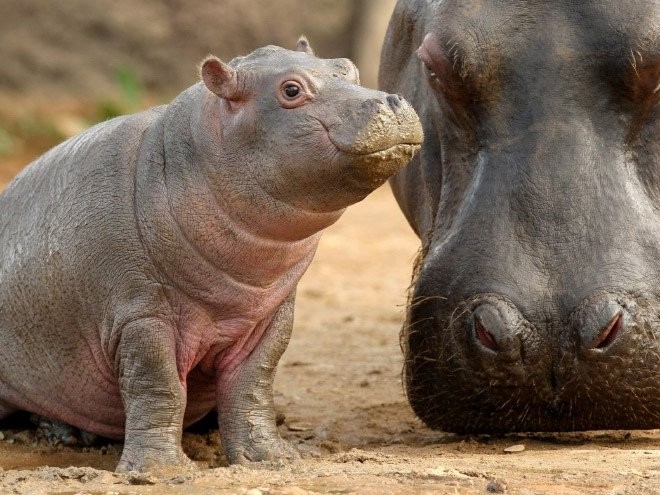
536 196
149 265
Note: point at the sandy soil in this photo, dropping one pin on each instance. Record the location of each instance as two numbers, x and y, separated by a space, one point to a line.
341 402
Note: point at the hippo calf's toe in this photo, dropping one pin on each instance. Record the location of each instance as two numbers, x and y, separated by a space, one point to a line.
149 265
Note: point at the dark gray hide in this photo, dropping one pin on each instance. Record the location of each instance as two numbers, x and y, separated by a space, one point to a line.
536 196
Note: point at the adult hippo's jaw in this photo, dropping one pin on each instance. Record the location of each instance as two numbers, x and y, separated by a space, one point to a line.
536 194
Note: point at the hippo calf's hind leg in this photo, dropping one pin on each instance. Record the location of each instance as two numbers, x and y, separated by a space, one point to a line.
154 398
246 413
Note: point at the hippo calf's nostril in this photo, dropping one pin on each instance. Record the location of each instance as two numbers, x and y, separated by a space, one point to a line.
372 104
395 102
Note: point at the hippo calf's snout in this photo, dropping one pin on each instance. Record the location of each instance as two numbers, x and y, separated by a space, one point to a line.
374 138
378 124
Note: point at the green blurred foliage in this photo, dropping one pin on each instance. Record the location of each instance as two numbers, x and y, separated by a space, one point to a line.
7 145
130 96
37 131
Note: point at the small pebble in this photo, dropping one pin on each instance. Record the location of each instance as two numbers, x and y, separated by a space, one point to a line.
254 491
138 478
496 485
298 427
2 436
514 448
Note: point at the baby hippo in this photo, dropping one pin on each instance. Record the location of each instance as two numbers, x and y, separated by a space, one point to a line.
149 265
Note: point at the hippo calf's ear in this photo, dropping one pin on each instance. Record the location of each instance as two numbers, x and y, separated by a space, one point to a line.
304 46
220 78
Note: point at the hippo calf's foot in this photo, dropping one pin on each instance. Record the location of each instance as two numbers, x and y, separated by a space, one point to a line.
154 460
265 449
156 452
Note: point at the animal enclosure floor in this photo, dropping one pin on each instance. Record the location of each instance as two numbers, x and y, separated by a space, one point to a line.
340 399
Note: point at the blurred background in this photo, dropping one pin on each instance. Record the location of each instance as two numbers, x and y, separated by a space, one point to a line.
67 65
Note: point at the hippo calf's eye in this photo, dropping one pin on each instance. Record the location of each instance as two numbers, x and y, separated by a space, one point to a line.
292 90
292 94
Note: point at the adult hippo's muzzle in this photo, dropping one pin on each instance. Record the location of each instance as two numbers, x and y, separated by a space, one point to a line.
482 366
536 195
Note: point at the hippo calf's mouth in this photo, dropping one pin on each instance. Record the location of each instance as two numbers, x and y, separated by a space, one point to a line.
404 149
372 168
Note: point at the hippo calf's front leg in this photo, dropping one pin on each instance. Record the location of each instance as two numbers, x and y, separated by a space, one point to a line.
154 398
246 412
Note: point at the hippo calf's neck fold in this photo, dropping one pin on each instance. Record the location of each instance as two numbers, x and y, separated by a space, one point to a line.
149 265
535 195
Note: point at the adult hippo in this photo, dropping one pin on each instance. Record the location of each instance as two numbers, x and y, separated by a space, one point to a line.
536 195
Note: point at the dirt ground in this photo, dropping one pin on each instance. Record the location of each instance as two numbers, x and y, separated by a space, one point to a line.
340 399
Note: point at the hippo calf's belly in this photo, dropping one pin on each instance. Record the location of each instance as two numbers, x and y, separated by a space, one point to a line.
77 389
85 392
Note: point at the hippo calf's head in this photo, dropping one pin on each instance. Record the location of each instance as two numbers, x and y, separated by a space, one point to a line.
304 129
536 195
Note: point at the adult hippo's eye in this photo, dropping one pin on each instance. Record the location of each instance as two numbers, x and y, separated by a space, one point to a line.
430 73
448 74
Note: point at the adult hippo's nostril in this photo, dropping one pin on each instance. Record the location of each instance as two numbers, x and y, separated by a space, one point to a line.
599 323
395 102
610 332
484 336
497 330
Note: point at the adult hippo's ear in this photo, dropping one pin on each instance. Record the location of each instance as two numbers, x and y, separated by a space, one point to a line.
221 79
304 46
